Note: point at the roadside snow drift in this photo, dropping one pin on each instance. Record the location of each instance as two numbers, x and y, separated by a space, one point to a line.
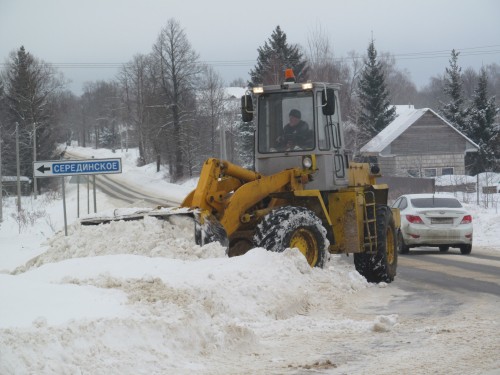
109 294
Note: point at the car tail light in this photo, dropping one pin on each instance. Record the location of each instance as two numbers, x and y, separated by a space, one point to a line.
466 220
414 219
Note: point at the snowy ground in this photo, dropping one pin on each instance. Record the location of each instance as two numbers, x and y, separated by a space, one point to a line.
140 298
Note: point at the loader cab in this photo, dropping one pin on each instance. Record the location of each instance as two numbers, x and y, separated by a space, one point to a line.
295 120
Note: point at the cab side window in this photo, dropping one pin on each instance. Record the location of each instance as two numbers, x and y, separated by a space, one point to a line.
324 131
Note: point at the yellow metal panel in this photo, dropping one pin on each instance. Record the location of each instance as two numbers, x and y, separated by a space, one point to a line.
241 173
316 194
397 217
360 175
251 193
346 213
206 184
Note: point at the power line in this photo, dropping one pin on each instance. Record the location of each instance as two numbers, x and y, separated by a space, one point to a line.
469 51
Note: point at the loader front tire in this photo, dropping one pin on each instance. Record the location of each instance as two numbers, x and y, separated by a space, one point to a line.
293 227
380 266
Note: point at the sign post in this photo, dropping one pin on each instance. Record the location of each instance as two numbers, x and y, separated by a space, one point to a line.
62 168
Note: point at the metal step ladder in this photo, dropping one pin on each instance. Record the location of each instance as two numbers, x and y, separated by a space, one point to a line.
370 222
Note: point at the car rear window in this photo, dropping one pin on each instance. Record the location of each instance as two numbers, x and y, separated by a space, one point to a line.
435 202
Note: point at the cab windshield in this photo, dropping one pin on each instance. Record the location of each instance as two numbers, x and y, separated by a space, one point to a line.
286 122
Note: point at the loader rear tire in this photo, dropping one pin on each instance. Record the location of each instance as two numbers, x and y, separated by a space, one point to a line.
381 266
289 227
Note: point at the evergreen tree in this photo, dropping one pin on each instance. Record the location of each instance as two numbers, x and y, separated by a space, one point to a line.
481 127
376 111
31 87
454 111
274 57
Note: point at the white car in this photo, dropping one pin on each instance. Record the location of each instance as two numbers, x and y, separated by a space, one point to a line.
433 220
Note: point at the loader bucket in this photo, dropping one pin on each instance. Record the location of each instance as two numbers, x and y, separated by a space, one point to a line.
206 227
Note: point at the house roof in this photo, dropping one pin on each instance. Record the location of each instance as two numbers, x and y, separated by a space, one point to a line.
406 116
234 92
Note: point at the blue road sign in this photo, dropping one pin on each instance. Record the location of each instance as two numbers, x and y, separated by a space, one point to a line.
57 168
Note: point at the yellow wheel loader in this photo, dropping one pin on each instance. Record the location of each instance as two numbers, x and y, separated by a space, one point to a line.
304 192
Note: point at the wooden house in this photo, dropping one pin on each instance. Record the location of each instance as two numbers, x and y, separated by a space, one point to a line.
419 143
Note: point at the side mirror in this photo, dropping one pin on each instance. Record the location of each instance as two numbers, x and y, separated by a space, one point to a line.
246 108
328 102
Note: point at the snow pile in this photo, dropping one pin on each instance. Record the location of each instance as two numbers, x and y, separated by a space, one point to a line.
454 180
485 179
149 237
485 224
108 294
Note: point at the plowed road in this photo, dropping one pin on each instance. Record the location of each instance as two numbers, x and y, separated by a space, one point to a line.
433 284
447 308
110 185
125 194
478 272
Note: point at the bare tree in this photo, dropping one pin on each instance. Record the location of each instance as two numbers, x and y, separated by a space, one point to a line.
194 144
139 89
211 107
178 64
320 57
432 95
401 89
469 82
102 108
238 82
351 108
324 67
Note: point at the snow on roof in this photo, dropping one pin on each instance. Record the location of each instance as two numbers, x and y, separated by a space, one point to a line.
406 116
234 92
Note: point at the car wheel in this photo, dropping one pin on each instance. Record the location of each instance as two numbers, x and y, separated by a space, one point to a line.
444 248
402 248
465 249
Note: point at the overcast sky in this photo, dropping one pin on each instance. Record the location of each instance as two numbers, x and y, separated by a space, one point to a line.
227 33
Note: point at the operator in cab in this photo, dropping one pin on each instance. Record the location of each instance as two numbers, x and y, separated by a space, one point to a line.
296 133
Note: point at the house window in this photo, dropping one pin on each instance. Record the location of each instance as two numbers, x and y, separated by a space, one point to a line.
446 171
413 172
430 172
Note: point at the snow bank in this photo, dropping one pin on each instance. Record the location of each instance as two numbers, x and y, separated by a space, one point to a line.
106 294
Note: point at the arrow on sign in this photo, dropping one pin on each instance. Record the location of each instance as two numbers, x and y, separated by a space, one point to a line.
43 168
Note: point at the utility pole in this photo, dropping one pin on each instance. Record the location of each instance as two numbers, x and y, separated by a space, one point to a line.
18 167
1 177
34 159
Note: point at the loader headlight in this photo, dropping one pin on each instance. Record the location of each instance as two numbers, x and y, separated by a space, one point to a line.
307 162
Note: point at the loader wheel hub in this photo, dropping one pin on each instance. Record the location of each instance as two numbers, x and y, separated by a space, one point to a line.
305 241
